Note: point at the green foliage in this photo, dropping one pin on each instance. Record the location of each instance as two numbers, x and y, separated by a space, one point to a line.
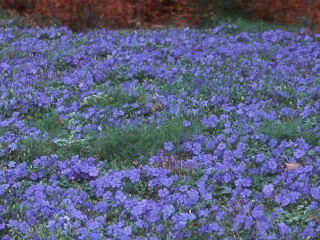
246 25
117 146
115 97
243 24
298 215
291 129
42 231
61 65
34 148
127 144
140 189
50 123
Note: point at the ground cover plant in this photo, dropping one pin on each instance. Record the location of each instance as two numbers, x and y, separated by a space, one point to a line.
171 134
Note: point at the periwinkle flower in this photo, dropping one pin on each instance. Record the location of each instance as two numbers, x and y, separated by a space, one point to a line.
187 123
168 146
268 190
13 147
227 177
120 231
2 226
167 211
284 229
221 146
102 207
203 213
181 219
163 181
258 212
238 221
310 231
315 192
260 158
249 221
141 224
211 121
286 197
95 223
163 192
245 193
21 226
243 182
299 153
120 196
273 143
75 213
271 164
3 188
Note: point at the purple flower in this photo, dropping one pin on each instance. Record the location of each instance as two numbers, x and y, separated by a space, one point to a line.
221 146
227 177
310 231
284 229
167 211
210 121
271 164
260 158
268 189
3 188
180 219
102 207
246 193
91 224
248 222
243 182
315 193
120 196
187 123
22 227
2 226
168 146
258 212
286 197
119 231
13 147
163 192
215 227
299 153
93 171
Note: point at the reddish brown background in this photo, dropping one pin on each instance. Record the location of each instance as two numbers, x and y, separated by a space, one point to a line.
80 14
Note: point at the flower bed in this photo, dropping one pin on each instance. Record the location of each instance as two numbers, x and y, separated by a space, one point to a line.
172 134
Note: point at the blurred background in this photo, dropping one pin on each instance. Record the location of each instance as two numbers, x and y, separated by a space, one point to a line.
82 15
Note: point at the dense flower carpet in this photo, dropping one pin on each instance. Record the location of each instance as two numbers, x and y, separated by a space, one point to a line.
169 134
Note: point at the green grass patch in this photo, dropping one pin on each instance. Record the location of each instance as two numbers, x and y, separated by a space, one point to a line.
50 123
119 147
291 129
247 25
116 97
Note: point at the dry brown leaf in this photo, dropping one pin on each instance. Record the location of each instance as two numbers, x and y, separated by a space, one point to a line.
157 107
135 164
60 122
293 166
